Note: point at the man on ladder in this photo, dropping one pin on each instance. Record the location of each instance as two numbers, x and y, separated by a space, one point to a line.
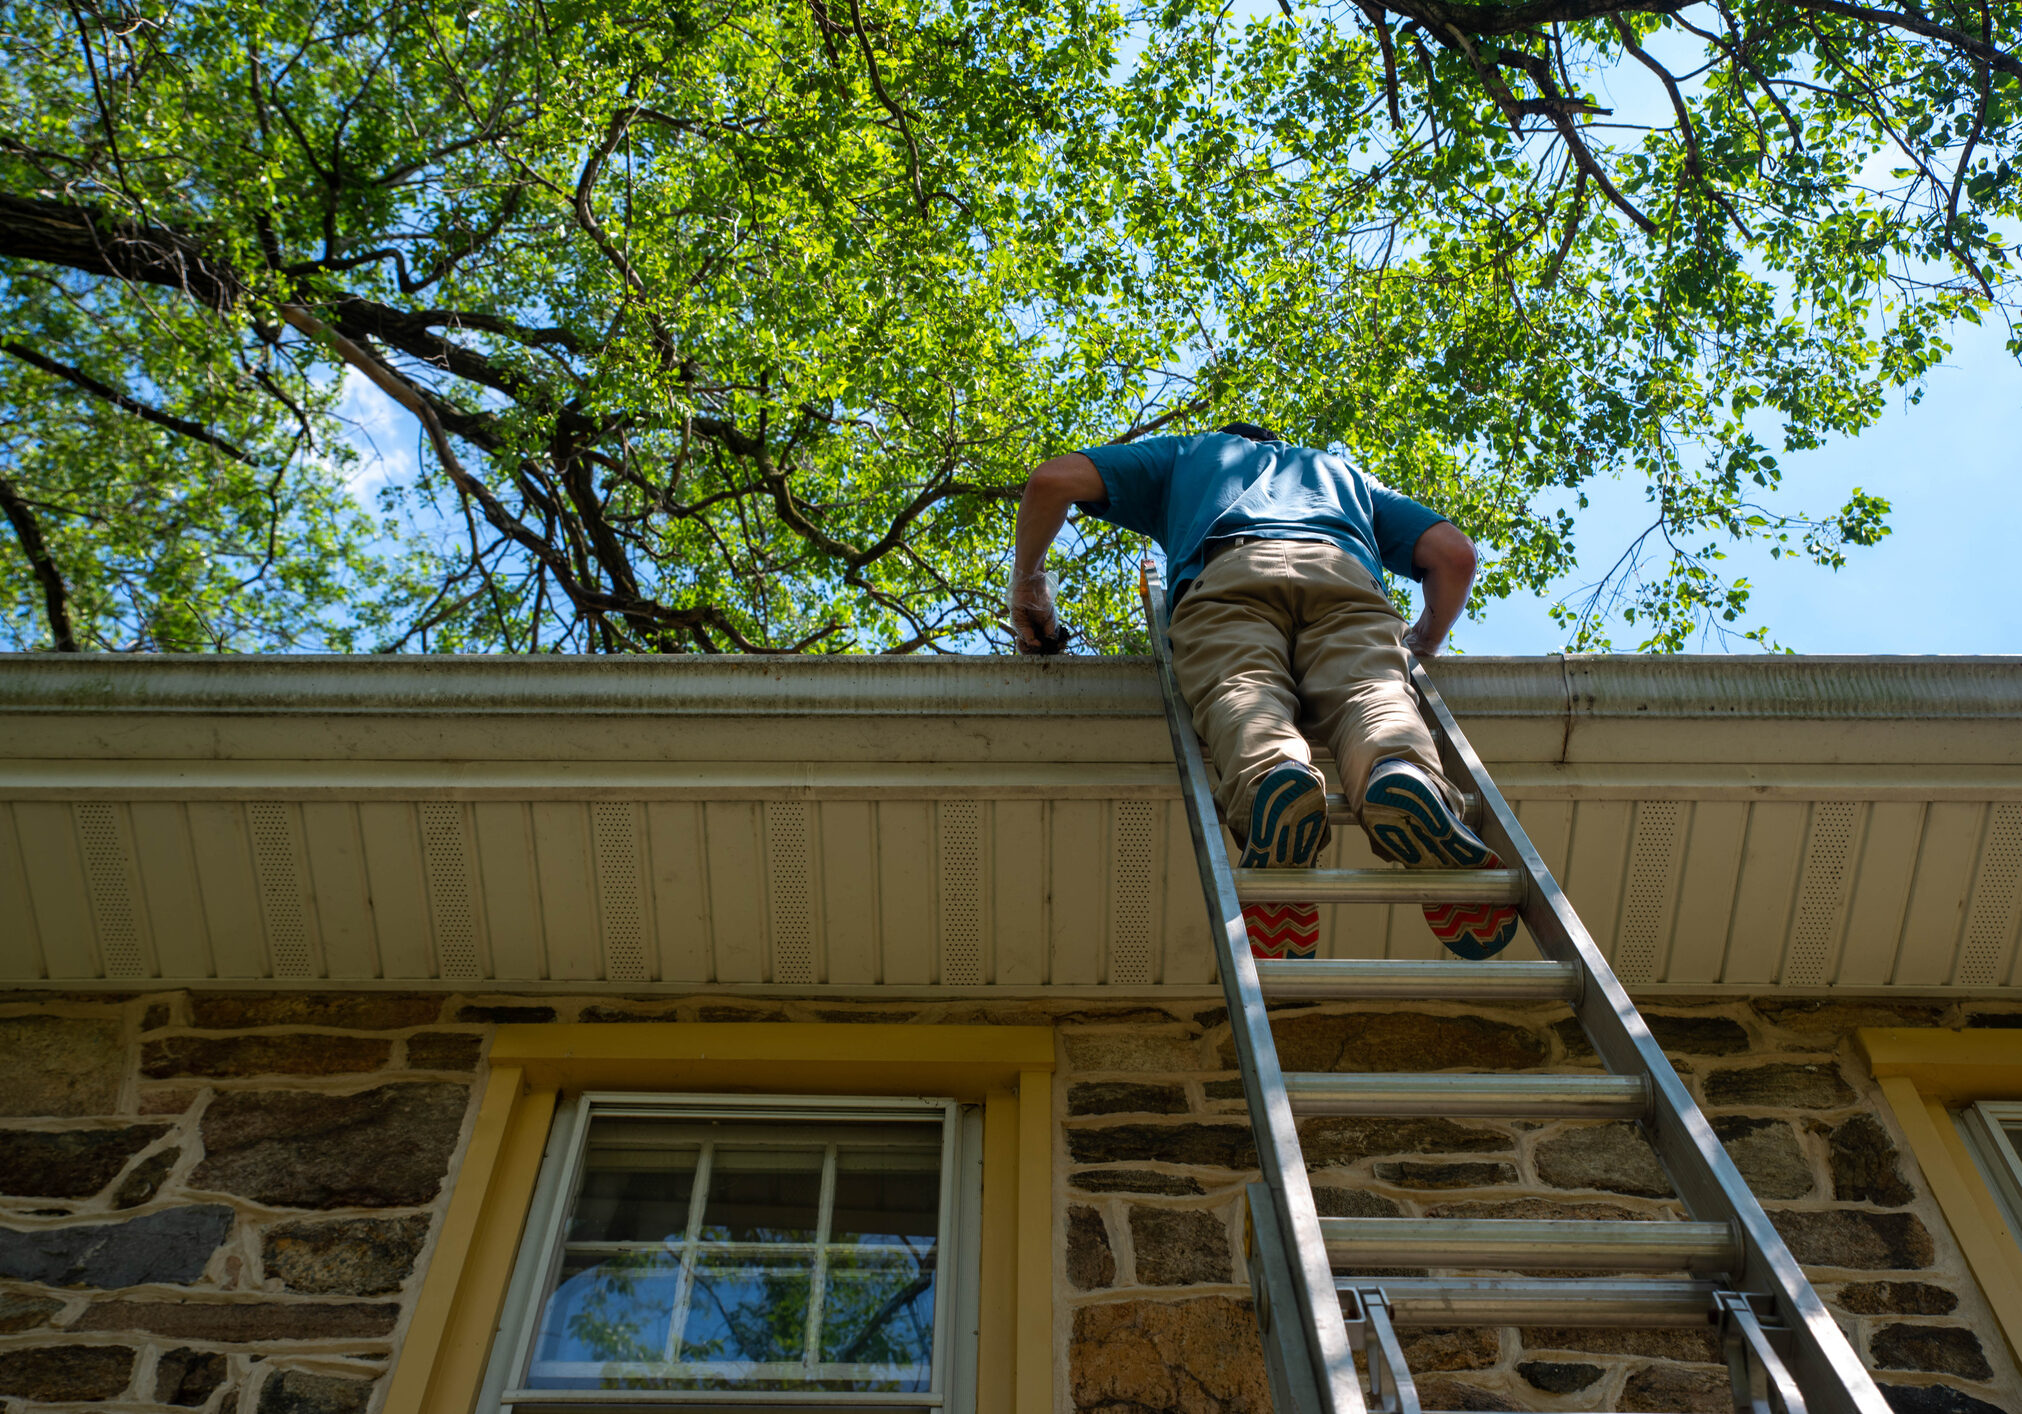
1276 553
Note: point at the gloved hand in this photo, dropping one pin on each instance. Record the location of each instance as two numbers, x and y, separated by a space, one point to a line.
1037 628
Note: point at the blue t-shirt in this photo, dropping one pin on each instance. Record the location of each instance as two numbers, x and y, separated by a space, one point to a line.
1186 491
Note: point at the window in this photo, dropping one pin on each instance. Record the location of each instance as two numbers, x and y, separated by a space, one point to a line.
1957 1097
469 1330
1993 1129
706 1250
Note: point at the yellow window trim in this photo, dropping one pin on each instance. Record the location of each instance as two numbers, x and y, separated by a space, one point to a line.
1008 1069
1924 1075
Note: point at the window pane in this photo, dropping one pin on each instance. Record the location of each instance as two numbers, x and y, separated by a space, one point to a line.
878 1309
749 1310
886 1195
637 1180
763 1195
606 1309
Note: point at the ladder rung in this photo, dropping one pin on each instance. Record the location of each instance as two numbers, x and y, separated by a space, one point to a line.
1379 885
1474 1096
1530 1244
1289 979
1587 1301
1338 812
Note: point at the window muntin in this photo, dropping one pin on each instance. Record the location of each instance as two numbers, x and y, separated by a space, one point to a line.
724 1249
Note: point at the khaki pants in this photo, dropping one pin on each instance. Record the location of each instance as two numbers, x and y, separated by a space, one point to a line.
1275 628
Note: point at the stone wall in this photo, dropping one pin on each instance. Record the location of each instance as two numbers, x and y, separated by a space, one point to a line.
1155 1149
225 1201
220 1201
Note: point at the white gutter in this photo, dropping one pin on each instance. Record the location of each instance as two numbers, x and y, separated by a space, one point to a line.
1570 688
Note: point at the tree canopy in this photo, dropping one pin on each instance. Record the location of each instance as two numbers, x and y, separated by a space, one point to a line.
734 324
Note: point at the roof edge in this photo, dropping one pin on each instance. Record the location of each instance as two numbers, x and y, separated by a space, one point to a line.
1831 688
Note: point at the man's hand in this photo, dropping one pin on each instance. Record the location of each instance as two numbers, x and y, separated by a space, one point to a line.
1447 558
1032 617
1053 487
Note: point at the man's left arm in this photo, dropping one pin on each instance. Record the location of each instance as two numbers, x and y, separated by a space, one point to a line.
1445 560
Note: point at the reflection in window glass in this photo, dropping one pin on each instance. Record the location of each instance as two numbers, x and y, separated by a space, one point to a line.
752 1254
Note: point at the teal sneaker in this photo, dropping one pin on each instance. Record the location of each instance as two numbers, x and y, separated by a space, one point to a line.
1408 821
1288 829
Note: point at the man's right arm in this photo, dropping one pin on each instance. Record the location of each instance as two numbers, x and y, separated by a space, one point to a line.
1050 492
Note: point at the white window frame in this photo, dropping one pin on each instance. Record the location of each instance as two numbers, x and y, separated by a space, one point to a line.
957 1249
1983 1125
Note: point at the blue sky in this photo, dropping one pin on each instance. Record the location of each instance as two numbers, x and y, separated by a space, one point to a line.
1942 582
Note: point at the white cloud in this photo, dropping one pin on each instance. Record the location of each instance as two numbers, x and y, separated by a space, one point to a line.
385 434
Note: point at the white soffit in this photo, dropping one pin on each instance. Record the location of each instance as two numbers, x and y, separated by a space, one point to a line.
946 824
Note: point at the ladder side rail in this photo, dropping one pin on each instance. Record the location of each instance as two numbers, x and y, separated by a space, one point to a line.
1706 1179
1272 1125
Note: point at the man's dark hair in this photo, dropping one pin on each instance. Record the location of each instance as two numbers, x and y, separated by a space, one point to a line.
1251 431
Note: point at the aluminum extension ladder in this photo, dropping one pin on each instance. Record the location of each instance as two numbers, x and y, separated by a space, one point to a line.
1784 1351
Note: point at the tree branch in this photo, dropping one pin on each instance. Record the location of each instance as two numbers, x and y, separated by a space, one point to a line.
55 597
78 376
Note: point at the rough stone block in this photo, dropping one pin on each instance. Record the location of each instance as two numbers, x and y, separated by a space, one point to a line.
508 1015
1223 1089
155 1017
1332 1142
68 1163
1768 1154
185 1378
1935 1399
167 1102
445 1050
1558 1376
1614 1158
382 1148
1168 1357
1108 1097
1450 1348
709 1012
58 1066
299 1392
598 1012
51 1374
1698 1035
145 1181
1701 1346
1895 1298
344 1256
20 1311
1535 1209
1849 1238
1673 1389
1865 1165
1171 1185
1942 1350
171 1246
1827 1021
1780 1085
1179 1246
244 1322
1447 1175
304 1053
1352 1203
1206 1145
1090 1263
1132 1050
1444 1392
1573 1037
1401 1040
343 1011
